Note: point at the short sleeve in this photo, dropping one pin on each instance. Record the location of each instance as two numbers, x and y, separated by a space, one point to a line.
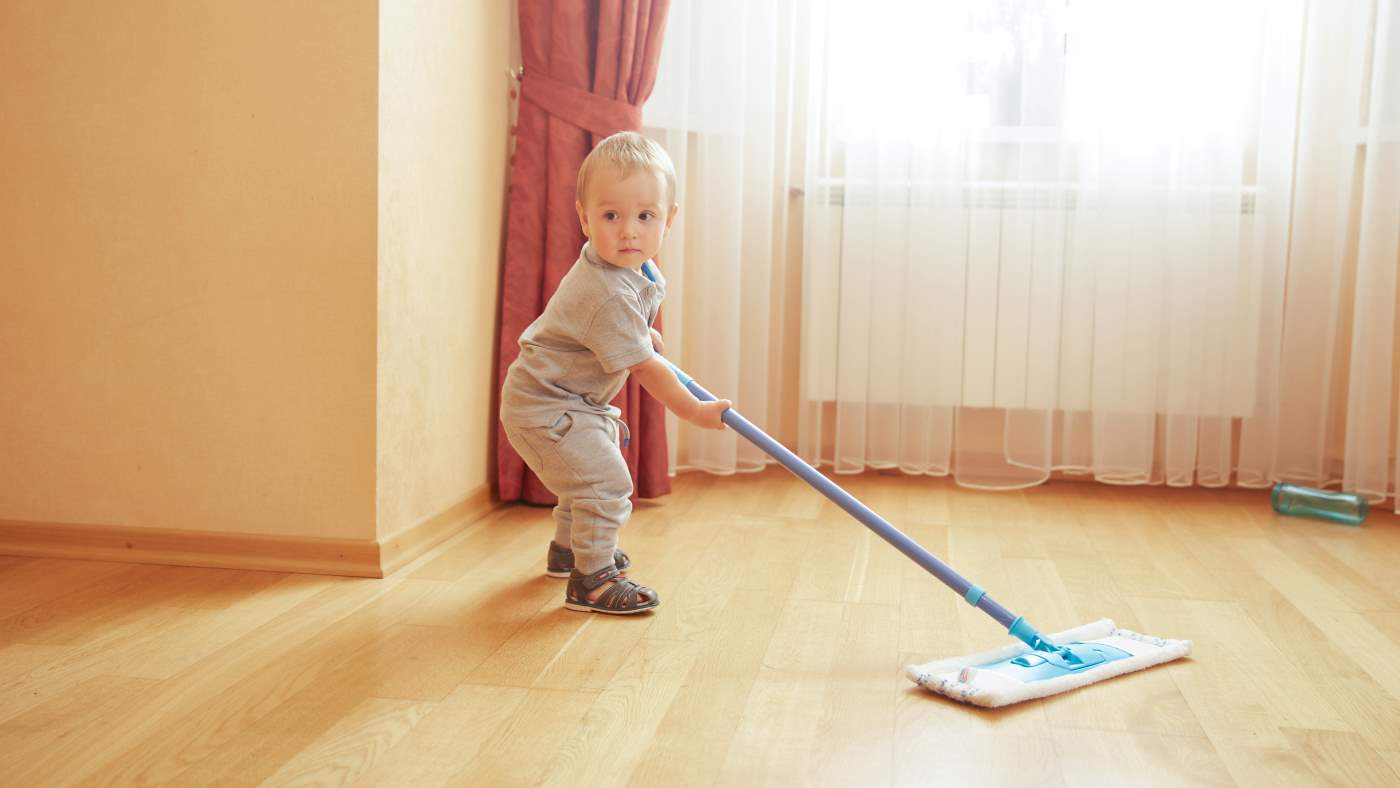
619 335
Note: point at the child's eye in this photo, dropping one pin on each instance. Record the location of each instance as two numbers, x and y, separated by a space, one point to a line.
610 215
646 216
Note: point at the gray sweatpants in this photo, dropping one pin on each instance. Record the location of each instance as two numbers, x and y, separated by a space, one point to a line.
578 459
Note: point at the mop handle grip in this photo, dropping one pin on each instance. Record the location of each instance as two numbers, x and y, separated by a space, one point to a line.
972 593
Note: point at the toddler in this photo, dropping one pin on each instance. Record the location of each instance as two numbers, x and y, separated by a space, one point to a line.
574 358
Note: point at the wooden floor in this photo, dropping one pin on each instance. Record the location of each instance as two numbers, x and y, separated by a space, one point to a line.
775 657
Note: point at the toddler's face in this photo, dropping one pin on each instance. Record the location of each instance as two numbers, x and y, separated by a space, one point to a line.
626 216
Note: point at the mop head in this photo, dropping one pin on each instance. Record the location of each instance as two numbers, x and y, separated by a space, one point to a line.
1015 673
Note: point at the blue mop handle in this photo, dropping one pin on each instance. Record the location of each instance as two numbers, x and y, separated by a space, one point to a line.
974 594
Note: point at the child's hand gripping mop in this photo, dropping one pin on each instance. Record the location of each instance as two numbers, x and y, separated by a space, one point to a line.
1035 667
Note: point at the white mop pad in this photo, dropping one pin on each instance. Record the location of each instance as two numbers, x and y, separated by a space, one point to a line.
959 679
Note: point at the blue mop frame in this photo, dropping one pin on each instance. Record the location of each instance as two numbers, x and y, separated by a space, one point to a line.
1070 657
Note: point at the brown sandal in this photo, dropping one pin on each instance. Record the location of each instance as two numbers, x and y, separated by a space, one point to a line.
560 560
623 597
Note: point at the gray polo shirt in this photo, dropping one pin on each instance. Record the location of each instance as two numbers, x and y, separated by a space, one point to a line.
575 356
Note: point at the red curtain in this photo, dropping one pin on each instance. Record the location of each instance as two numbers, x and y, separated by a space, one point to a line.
588 67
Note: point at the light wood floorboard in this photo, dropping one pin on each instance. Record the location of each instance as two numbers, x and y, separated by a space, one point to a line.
775 659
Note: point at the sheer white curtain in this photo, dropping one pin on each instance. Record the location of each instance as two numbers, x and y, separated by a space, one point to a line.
720 108
1332 417
1031 241
1153 242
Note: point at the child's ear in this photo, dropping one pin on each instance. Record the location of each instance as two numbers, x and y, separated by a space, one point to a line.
675 209
582 217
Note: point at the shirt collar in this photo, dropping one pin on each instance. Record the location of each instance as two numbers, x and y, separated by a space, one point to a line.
639 278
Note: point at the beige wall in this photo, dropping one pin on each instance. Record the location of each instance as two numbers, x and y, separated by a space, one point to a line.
187 287
442 135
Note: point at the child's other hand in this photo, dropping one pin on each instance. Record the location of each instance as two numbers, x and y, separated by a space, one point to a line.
656 341
709 414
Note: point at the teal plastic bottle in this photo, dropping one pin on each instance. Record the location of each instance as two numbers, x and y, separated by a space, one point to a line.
1339 507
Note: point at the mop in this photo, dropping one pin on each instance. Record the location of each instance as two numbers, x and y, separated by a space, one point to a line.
1036 666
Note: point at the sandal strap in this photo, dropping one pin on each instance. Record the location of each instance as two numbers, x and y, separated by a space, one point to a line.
621 594
590 582
562 555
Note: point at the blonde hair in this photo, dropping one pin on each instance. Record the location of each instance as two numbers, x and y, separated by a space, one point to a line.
628 151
